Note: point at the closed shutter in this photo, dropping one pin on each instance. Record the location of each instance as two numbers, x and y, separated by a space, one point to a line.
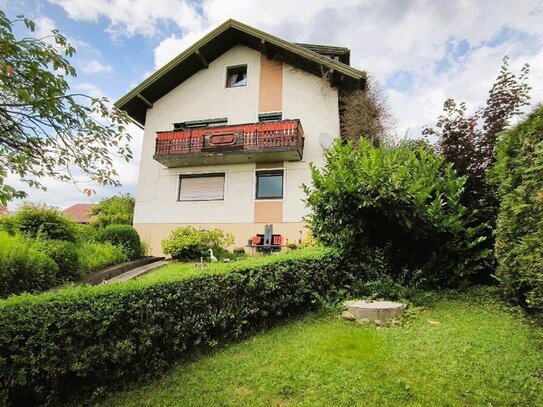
201 188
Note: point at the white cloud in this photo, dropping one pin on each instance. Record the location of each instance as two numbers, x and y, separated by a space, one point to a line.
90 89
390 37
95 67
44 26
134 17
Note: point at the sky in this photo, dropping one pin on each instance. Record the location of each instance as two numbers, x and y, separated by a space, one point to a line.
422 52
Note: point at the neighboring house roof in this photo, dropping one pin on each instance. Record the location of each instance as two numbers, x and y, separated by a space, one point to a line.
81 213
221 39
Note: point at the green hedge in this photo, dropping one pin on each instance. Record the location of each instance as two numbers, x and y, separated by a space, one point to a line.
23 267
519 233
76 343
124 236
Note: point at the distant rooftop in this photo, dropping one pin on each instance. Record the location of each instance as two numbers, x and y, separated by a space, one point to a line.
80 213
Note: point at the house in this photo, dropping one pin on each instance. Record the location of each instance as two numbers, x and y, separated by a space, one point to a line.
231 125
80 213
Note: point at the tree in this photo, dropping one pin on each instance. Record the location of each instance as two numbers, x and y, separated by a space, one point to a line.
366 114
117 210
469 141
45 129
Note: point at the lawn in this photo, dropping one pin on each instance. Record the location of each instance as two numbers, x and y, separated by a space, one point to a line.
468 350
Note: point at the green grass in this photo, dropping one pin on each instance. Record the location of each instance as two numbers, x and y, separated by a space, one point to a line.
479 353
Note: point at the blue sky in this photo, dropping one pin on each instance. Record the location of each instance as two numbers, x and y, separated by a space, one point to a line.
422 52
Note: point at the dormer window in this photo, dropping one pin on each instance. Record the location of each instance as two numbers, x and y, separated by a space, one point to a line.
236 76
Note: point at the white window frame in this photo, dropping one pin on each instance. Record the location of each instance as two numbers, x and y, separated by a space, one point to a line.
225 79
196 175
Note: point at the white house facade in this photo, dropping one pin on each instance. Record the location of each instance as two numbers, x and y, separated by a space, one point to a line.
231 126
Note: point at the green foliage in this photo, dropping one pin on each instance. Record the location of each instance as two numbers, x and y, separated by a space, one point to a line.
86 233
94 256
124 236
23 267
519 233
188 243
65 256
401 200
117 210
44 222
469 142
8 224
68 344
46 129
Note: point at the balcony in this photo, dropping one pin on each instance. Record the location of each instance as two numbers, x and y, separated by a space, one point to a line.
256 142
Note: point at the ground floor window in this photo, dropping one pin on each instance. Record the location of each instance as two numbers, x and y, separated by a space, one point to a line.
269 184
201 187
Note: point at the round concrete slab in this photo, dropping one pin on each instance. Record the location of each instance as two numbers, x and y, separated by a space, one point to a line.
376 311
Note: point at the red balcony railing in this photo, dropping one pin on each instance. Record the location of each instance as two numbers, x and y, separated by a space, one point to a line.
244 138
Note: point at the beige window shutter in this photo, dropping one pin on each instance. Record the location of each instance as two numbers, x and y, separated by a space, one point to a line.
208 188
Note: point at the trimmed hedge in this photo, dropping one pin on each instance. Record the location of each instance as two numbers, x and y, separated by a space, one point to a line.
76 343
519 232
124 236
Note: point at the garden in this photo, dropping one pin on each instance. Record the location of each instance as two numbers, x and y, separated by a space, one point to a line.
41 248
452 229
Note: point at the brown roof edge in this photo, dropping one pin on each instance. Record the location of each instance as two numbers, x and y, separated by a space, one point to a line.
136 104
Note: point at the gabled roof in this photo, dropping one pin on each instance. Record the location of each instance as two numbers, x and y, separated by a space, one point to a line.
217 42
80 213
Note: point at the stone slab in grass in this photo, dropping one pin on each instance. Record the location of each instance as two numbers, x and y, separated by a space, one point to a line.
380 312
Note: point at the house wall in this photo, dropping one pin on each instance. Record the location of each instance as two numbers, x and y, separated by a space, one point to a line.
270 86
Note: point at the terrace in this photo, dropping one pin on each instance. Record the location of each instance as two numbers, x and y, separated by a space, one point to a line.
254 142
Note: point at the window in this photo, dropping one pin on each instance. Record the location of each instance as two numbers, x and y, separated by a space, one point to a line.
270 117
269 184
236 76
201 124
201 187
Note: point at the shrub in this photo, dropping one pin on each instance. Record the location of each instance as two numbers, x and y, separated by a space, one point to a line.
188 243
403 200
86 233
63 346
23 267
44 222
117 210
65 256
519 232
94 256
7 224
124 236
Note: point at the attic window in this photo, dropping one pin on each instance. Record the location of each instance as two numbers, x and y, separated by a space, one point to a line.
270 117
236 76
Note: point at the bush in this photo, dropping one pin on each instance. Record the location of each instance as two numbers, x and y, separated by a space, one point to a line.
188 243
23 267
86 233
117 210
519 232
403 200
45 222
124 236
63 346
65 256
94 256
